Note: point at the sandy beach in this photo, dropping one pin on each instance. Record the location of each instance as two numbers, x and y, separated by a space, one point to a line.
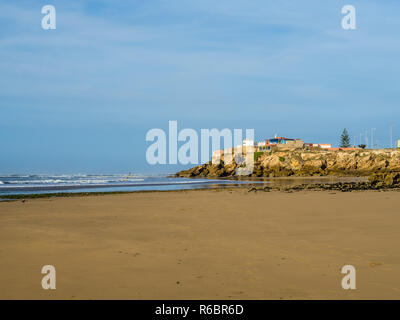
204 244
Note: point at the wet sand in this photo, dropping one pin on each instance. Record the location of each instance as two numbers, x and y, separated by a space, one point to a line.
204 244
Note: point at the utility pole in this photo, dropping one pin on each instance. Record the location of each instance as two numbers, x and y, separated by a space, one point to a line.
391 138
366 139
372 137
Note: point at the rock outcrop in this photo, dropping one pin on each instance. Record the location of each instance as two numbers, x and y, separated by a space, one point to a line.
308 163
380 181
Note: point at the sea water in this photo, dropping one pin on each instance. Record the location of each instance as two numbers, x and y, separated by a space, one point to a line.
46 183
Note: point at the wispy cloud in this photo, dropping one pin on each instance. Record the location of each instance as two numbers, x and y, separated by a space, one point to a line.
146 62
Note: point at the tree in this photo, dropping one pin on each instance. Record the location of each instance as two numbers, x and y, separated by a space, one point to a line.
345 139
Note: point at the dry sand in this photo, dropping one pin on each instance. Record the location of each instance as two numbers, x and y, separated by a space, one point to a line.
215 244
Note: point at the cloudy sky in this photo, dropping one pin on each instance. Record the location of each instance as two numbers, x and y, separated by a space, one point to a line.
81 98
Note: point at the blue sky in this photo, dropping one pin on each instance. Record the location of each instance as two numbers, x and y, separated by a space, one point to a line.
82 97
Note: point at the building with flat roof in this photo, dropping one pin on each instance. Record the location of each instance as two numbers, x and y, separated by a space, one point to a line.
280 143
278 140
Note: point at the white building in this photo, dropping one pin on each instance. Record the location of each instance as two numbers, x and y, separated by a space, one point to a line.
248 143
322 145
325 145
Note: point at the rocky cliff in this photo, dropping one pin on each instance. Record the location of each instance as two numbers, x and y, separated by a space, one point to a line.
307 163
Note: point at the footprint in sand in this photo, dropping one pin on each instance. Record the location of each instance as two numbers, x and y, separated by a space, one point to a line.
374 264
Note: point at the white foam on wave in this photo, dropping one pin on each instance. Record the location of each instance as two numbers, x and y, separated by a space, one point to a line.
35 181
65 181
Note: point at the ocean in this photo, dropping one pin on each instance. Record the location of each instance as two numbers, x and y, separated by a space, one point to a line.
45 183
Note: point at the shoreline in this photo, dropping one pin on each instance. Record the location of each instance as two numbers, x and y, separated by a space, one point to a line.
17 197
328 183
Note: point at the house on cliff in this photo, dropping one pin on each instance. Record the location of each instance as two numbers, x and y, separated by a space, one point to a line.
280 143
